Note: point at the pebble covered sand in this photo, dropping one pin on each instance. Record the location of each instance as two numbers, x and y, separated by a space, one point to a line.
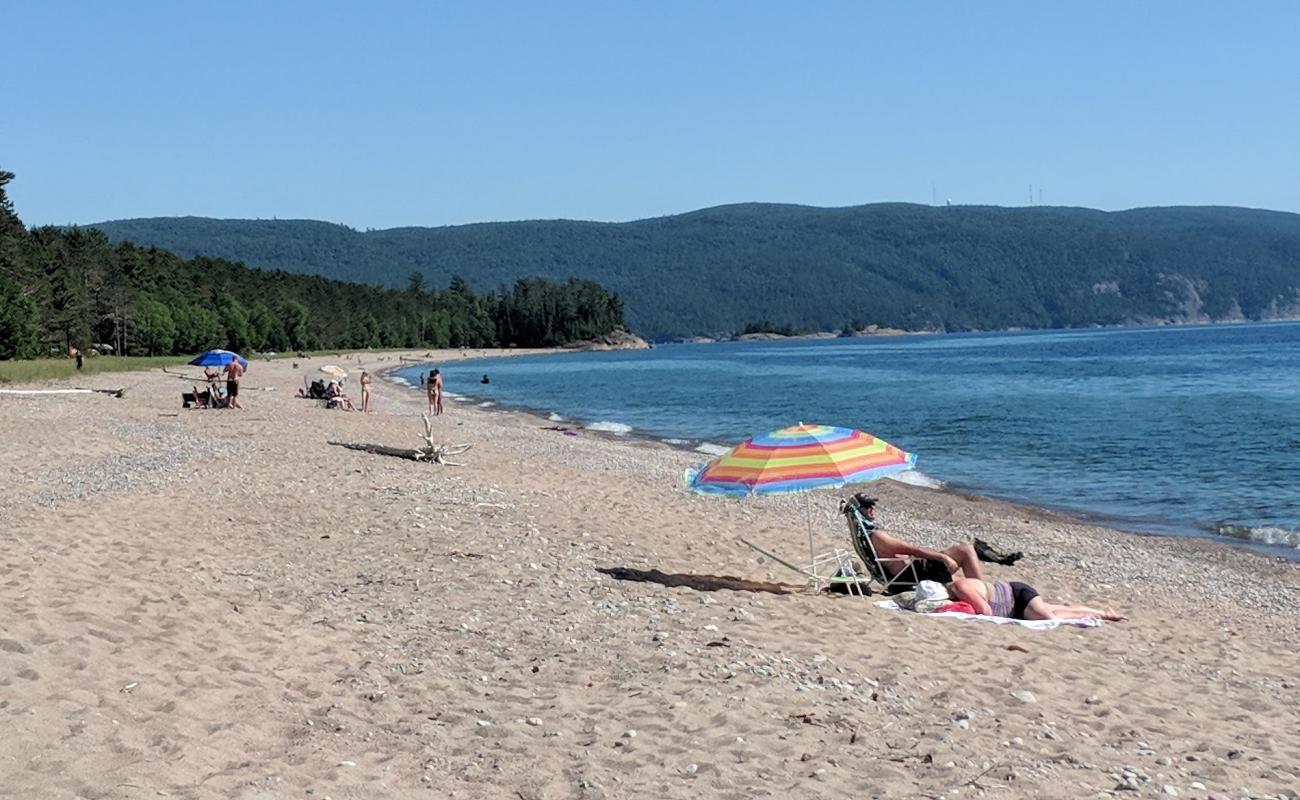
200 603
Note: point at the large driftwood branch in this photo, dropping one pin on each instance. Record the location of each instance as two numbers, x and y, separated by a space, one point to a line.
110 392
430 453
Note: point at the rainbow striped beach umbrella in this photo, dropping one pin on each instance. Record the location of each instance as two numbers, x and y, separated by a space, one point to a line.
800 458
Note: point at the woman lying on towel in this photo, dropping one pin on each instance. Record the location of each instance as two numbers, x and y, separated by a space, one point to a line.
1020 601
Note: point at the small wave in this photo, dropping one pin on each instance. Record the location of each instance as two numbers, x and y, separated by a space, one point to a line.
610 427
486 404
553 417
400 380
712 449
914 478
1263 534
676 441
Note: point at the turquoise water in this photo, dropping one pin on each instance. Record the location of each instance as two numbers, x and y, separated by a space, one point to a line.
1185 430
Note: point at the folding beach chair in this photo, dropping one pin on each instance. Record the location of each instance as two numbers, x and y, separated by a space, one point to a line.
860 530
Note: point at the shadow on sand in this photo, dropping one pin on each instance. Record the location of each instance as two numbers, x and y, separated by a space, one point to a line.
700 583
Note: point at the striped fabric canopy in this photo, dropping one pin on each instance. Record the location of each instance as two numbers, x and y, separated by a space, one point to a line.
800 458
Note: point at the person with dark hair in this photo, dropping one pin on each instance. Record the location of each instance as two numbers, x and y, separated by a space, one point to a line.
896 554
234 371
435 392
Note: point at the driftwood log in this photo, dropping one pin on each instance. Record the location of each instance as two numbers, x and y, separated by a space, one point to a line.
110 392
432 453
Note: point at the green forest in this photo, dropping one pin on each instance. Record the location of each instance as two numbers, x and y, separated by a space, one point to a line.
895 265
74 287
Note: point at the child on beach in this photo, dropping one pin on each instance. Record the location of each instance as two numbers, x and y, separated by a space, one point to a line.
1018 600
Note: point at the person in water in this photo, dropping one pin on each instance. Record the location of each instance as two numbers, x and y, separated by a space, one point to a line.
485 379
1017 600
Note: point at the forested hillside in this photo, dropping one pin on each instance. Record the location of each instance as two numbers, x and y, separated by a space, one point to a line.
895 265
62 288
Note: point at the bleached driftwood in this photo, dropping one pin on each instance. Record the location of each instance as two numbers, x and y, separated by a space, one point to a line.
110 392
434 453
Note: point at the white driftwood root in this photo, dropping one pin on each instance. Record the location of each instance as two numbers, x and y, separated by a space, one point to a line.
430 453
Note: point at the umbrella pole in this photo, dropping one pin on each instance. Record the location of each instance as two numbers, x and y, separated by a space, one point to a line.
812 554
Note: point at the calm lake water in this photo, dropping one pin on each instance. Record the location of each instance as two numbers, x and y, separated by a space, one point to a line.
1185 430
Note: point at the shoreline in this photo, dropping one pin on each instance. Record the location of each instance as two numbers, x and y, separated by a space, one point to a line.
691 444
214 604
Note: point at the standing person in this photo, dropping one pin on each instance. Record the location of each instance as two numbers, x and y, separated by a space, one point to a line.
234 371
435 391
365 391
76 353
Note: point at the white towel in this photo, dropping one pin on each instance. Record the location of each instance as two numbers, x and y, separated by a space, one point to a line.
1036 624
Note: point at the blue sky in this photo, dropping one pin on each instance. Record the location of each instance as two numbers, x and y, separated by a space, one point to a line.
428 113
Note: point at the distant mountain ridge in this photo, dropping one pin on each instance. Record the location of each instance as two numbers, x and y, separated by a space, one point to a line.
891 264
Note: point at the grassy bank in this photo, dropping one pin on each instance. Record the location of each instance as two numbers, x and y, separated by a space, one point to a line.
47 369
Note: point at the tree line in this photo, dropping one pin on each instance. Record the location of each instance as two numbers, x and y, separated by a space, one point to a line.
72 287
894 265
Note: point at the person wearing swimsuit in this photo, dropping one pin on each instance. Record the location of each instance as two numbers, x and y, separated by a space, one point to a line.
940 566
1018 600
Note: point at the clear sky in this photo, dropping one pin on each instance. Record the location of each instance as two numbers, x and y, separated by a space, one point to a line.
432 113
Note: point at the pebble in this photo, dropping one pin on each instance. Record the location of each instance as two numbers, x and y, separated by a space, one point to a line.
1024 696
691 769
1170 790
535 721
483 723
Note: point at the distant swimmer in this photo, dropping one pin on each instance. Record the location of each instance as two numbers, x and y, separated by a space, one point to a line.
485 379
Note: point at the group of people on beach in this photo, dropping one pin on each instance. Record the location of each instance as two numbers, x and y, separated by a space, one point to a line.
214 396
958 569
334 395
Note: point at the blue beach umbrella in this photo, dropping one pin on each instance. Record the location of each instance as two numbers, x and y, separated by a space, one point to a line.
219 358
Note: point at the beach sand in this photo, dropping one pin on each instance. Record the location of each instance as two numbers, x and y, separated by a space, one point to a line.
221 604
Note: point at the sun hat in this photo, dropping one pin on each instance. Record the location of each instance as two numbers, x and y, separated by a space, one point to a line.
931 590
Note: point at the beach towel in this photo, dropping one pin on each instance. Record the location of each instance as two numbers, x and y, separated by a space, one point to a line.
1036 624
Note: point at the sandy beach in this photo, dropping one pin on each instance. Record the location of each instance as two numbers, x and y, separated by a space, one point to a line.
212 604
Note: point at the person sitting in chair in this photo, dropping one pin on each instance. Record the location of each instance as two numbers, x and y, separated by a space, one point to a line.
336 398
941 566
